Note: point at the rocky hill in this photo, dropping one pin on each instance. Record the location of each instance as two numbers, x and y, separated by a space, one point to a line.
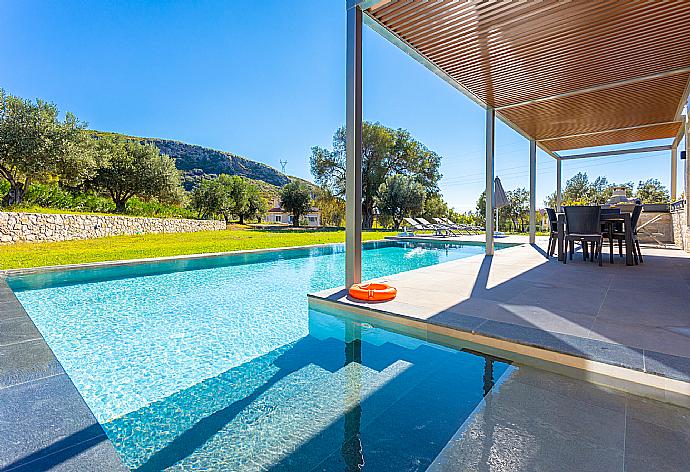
197 161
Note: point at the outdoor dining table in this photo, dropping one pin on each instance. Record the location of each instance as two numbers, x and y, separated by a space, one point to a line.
610 219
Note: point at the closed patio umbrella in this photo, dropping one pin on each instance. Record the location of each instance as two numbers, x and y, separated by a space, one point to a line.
500 198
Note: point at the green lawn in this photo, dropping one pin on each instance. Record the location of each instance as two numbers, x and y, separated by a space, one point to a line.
25 255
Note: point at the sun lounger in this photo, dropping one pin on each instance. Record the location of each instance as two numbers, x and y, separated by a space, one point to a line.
472 230
416 225
460 229
439 229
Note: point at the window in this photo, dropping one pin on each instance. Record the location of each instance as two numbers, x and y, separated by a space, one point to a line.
278 219
312 219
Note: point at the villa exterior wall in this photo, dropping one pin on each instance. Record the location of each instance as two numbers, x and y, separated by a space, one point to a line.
18 227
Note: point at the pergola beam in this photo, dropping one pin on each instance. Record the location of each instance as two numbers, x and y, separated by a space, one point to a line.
597 88
618 152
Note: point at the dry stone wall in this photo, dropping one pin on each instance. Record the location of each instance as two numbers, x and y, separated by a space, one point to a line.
18 227
681 230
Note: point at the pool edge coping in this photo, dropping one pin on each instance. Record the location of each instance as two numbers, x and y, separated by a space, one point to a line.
149 260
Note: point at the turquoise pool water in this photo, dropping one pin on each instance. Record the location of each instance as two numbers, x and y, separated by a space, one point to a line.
216 363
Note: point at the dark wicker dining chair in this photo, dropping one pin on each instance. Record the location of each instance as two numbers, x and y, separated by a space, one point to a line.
553 231
619 235
583 226
608 228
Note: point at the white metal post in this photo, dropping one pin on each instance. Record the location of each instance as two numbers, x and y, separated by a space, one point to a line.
687 169
532 191
490 115
559 199
353 144
674 173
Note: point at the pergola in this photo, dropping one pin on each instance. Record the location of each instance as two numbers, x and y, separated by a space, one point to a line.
564 75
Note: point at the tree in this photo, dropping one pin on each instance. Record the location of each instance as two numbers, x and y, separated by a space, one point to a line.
236 200
651 191
35 144
399 196
208 198
295 197
228 196
256 204
517 210
481 208
577 188
579 191
434 207
332 207
127 168
385 152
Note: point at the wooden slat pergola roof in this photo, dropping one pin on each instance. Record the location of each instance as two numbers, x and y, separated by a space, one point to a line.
566 74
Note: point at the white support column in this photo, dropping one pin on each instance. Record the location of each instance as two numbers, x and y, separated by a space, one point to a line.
490 115
674 173
532 191
687 169
559 199
353 124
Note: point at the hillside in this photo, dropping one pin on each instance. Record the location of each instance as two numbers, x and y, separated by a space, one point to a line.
197 161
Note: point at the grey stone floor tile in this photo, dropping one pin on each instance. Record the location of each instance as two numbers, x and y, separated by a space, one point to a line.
583 300
560 321
42 417
24 362
640 336
675 367
93 455
456 320
645 307
11 309
650 447
575 345
16 330
666 415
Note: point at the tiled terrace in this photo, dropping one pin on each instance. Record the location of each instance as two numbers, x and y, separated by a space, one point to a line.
630 322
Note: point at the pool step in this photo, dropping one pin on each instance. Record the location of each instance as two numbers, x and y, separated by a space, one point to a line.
295 410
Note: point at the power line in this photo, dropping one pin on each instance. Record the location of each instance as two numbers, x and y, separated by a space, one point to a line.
472 181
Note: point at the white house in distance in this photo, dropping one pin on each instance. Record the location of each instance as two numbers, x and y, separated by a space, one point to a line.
279 215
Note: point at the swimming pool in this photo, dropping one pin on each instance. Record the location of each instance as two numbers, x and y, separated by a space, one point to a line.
216 363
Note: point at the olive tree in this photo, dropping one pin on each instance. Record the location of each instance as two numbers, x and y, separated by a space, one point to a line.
295 197
256 204
385 152
35 144
208 198
126 168
228 196
399 196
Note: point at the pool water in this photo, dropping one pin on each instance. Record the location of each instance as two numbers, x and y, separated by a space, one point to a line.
216 363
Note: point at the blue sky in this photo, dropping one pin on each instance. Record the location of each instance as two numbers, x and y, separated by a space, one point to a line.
261 79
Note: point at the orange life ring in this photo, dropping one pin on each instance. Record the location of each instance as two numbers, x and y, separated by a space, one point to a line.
373 292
